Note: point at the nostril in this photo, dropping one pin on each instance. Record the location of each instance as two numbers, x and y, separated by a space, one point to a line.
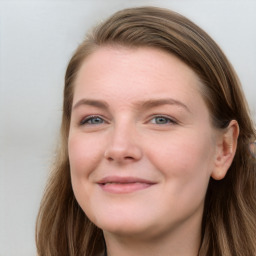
116 156
129 157
126 154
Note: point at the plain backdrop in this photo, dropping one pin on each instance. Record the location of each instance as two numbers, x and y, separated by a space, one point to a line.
37 38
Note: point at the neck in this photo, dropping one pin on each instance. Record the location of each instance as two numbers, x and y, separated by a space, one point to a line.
179 242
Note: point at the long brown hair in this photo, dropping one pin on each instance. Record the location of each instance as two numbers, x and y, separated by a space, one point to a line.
229 221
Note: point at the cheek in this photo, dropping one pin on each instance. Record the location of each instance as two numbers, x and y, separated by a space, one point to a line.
186 157
84 157
84 154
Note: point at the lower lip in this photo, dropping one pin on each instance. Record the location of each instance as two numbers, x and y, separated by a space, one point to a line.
123 188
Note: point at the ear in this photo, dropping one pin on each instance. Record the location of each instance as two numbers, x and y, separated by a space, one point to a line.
226 149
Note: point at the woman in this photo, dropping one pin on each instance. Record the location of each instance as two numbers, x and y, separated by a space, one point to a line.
154 157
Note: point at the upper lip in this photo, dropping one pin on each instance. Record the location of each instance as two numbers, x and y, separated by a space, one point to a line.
124 180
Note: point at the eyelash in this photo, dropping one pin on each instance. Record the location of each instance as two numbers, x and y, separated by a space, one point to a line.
88 120
166 118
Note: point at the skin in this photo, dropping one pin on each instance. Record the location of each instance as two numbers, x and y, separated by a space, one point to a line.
138 113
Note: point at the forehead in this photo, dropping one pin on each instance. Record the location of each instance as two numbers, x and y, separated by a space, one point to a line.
130 73
141 58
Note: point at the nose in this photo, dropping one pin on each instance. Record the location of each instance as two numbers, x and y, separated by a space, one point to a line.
124 145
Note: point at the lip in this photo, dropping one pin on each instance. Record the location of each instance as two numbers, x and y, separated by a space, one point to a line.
123 185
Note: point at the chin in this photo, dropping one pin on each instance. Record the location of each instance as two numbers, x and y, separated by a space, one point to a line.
124 226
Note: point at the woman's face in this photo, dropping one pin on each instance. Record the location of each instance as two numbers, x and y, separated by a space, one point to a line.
141 145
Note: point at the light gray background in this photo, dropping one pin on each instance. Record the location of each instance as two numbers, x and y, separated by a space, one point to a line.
37 39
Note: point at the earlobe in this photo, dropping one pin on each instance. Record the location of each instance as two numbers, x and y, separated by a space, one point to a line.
226 150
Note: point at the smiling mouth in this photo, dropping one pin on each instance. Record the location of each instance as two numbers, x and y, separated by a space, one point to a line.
122 185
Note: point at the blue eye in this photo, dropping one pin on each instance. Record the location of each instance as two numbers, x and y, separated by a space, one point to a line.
162 120
92 120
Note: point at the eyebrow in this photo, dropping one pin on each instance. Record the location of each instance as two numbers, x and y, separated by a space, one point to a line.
91 102
166 101
147 104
